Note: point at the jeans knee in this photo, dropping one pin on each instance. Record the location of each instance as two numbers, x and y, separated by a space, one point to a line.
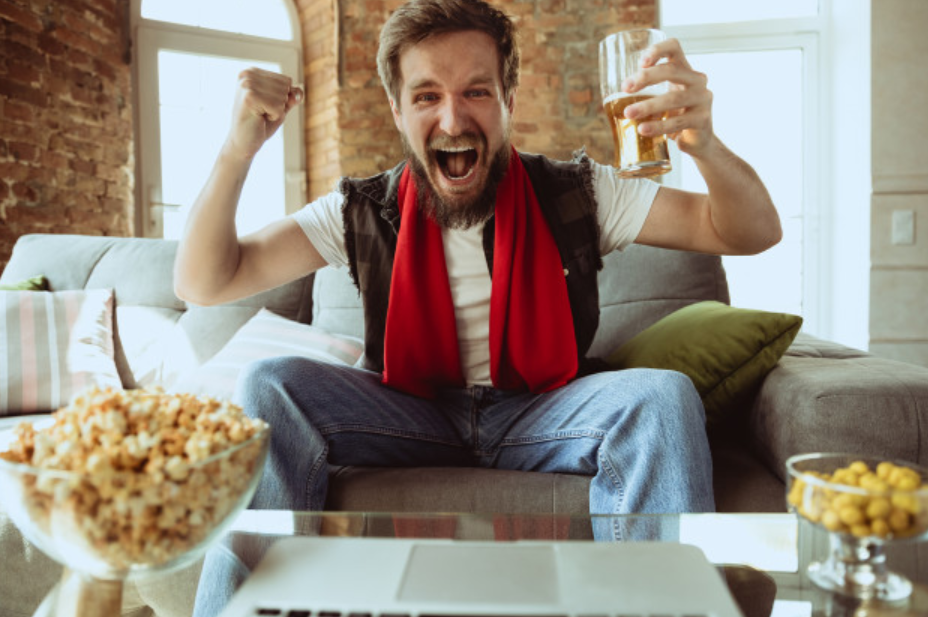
256 380
263 385
665 390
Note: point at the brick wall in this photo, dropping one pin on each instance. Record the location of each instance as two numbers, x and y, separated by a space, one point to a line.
350 130
66 136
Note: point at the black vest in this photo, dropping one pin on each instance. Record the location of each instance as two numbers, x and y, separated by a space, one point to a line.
565 194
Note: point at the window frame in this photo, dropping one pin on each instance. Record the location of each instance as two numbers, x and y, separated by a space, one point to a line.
153 36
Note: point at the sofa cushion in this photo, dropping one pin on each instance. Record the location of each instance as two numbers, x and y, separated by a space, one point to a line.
267 335
725 351
52 345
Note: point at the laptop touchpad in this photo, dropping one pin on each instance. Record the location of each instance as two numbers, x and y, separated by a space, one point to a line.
508 574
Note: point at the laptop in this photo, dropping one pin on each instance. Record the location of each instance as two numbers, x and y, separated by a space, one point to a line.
385 577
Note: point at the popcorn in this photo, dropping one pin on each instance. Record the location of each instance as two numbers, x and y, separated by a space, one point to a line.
154 473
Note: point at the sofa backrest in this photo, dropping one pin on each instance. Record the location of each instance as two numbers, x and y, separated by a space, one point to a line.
638 286
158 337
642 284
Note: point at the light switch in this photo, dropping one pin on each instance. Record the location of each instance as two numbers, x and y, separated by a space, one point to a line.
903 227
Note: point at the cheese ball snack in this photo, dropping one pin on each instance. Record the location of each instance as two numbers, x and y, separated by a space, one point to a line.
873 499
124 480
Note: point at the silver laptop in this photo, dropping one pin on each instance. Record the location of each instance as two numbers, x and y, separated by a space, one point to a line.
380 577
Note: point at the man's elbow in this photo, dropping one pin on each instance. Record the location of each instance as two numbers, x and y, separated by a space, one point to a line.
767 238
185 293
773 236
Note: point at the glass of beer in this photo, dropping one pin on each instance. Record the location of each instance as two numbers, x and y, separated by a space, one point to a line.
619 58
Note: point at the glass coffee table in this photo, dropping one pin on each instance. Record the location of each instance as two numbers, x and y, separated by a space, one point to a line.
763 557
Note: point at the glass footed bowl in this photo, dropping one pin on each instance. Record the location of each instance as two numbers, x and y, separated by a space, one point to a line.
111 527
864 503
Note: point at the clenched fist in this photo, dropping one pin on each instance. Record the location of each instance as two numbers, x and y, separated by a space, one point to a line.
262 102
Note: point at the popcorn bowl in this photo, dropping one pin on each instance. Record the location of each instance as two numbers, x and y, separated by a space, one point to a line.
147 497
864 503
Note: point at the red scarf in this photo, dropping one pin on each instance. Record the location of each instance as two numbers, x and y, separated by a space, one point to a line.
532 343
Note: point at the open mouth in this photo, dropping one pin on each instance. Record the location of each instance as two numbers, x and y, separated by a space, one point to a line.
457 163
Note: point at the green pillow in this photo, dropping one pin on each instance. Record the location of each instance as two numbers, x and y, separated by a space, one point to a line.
725 351
36 283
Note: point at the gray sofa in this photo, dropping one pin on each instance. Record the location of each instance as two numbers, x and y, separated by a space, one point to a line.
821 396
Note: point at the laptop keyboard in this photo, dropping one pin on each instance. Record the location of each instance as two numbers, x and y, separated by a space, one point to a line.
276 612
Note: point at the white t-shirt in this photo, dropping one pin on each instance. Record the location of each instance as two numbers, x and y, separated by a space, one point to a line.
623 206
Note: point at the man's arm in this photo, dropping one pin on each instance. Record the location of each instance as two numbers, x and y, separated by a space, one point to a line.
737 216
213 265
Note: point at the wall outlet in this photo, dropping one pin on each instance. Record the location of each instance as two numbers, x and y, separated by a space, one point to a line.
903 227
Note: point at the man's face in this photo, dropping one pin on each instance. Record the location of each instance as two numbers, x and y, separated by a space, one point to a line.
455 124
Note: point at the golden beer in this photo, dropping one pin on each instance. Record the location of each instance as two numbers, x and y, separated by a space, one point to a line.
636 156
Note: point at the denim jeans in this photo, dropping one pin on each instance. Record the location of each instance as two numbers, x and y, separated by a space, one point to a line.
639 433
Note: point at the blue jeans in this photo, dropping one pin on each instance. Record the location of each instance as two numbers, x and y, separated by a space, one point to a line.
639 433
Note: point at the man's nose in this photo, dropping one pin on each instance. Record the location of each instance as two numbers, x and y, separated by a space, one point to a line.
453 117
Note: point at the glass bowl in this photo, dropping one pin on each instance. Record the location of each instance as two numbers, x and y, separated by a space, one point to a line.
864 503
108 527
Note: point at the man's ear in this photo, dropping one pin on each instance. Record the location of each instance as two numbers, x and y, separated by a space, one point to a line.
511 103
396 114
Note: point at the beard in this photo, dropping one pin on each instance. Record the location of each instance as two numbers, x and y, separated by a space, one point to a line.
459 213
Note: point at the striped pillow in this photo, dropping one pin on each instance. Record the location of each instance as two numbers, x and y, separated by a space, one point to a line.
53 345
267 335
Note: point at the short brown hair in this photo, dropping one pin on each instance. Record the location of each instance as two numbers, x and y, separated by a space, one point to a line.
418 20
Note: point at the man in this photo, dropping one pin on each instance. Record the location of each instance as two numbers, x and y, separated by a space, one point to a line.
475 326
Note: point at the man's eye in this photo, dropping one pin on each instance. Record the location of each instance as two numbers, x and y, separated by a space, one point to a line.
425 98
476 94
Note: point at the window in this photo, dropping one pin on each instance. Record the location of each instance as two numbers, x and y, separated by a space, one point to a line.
189 56
774 71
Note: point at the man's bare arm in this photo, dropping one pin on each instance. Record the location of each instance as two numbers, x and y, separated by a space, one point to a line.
737 217
213 264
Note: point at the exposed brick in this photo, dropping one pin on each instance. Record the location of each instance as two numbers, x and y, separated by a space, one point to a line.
23 151
77 40
63 109
25 192
54 160
15 50
82 167
19 131
23 73
17 110
16 14
13 171
51 46
29 94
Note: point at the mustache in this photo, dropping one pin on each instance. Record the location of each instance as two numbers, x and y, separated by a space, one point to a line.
464 140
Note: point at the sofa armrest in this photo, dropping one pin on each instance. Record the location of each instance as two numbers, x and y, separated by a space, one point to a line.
825 397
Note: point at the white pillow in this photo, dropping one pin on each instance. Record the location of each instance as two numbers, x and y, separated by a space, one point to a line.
54 345
267 335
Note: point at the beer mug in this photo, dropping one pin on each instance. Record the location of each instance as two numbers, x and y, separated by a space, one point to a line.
620 54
